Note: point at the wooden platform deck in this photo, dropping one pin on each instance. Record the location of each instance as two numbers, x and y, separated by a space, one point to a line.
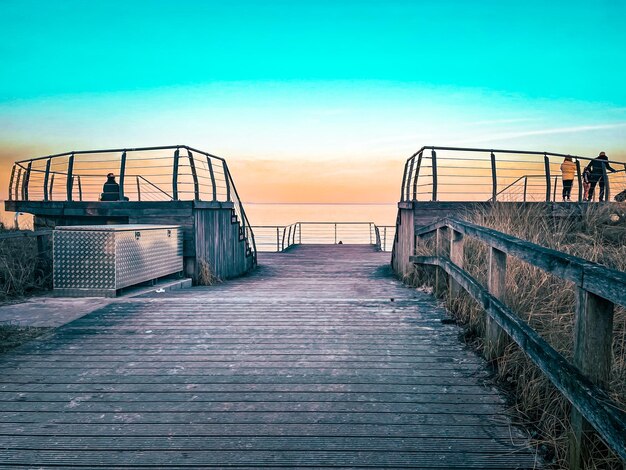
320 358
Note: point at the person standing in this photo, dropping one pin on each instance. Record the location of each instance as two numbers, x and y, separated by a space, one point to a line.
597 168
568 171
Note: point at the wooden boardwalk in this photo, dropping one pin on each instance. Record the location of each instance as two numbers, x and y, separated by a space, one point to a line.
320 358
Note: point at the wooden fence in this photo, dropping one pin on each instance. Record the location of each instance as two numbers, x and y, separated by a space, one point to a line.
584 382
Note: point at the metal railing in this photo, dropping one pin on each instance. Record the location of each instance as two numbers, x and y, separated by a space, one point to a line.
281 237
436 173
147 174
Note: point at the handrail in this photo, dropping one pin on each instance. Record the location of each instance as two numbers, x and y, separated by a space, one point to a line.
599 289
487 171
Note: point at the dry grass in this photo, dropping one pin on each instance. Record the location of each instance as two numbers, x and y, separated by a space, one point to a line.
206 277
12 336
21 273
547 304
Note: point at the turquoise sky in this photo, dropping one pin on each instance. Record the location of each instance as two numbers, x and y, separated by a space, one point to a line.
297 81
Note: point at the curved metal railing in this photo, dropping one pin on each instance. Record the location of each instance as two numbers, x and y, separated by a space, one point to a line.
281 237
146 174
436 173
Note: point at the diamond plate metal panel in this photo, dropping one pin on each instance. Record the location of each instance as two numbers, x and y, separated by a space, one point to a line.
107 258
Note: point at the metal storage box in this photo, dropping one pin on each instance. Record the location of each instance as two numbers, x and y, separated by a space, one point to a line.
97 260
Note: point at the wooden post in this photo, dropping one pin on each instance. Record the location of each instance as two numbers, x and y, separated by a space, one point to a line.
70 178
175 175
417 173
494 178
593 351
495 339
434 170
440 275
457 244
122 174
580 181
46 179
546 164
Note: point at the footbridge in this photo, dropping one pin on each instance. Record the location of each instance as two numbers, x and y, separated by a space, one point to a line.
320 357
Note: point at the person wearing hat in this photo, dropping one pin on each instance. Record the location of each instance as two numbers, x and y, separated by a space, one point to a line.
597 167
110 190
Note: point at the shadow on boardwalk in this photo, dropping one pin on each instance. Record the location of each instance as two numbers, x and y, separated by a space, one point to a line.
306 362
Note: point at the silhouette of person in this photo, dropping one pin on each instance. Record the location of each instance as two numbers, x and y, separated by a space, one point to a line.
597 167
110 190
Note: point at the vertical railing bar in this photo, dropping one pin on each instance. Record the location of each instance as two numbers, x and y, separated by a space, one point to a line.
580 181
406 164
122 175
277 239
46 179
417 173
494 178
50 196
138 189
194 176
175 175
434 171
212 175
80 189
70 178
546 163
11 182
227 180
17 184
335 234
525 186
26 180
556 181
283 239
300 233
408 179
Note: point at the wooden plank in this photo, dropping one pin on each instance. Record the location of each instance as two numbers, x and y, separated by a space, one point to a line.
318 358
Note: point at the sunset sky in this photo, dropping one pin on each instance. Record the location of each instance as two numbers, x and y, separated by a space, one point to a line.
312 101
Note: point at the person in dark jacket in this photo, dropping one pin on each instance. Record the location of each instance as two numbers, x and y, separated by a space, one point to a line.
110 190
597 168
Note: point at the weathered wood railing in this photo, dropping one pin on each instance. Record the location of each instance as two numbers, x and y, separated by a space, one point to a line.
584 382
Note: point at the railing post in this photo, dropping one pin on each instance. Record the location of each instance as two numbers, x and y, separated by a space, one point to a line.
300 233
80 189
11 183
385 238
525 186
406 164
226 179
51 187
335 234
434 169
546 164
175 175
122 174
593 351
457 245
194 176
417 173
495 338
26 180
46 179
138 189
212 175
556 181
283 239
277 239
70 177
440 274
17 191
607 190
370 224
580 181
408 179
289 237
494 178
